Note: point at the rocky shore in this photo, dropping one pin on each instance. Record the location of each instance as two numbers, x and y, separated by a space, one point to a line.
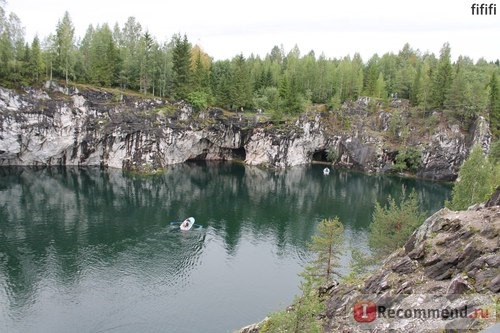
450 264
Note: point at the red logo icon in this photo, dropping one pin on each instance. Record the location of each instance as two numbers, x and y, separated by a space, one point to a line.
365 311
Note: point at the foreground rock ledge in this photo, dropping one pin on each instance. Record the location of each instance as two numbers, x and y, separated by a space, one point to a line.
450 262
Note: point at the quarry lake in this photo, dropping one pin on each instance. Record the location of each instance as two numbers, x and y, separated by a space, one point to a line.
91 250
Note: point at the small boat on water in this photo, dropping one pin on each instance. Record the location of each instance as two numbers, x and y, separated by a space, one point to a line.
326 171
187 224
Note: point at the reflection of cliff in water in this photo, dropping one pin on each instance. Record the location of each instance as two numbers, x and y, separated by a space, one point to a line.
60 223
59 219
288 202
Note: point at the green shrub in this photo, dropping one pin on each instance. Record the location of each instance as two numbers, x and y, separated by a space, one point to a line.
335 102
200 100
495 152
394 125
301 317
394 223
477 179
332 155
408 159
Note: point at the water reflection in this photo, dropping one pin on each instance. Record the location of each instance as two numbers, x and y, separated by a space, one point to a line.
59 227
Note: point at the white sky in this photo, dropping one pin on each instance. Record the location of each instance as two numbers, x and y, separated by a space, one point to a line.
225 28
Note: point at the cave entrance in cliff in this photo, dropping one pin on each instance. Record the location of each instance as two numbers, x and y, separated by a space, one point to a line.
239 154
200 157
320 156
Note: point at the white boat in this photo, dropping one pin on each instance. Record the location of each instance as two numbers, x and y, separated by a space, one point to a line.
187 223
326 171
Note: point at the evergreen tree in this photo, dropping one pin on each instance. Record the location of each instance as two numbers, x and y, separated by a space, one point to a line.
65 46
103 57
49 55
442 79
129 42
494 105
356 79
372 73
303 317
325 72
23 58
388 65
350 73
36 61
417 86
466 96
394 223
379 90
277 55
200 64
12 48
405 72
476 181
181 66
146 67
424 93
327 245
241 86
84 65
220 82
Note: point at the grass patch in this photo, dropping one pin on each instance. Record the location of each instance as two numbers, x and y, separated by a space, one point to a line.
142 173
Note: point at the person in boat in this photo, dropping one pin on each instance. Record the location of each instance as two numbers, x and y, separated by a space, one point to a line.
185 224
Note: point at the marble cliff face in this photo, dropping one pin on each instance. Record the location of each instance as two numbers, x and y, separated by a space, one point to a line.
68 126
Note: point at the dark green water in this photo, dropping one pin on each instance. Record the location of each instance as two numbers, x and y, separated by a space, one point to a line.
87 250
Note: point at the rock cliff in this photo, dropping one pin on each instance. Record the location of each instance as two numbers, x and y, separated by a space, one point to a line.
89 126
450 263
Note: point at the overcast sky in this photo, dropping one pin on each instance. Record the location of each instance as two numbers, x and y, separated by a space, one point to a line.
225 28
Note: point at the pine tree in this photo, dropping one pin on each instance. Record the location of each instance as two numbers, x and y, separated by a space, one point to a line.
327 244
393 224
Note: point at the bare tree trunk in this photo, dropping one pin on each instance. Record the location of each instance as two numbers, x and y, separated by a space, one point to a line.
329 263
